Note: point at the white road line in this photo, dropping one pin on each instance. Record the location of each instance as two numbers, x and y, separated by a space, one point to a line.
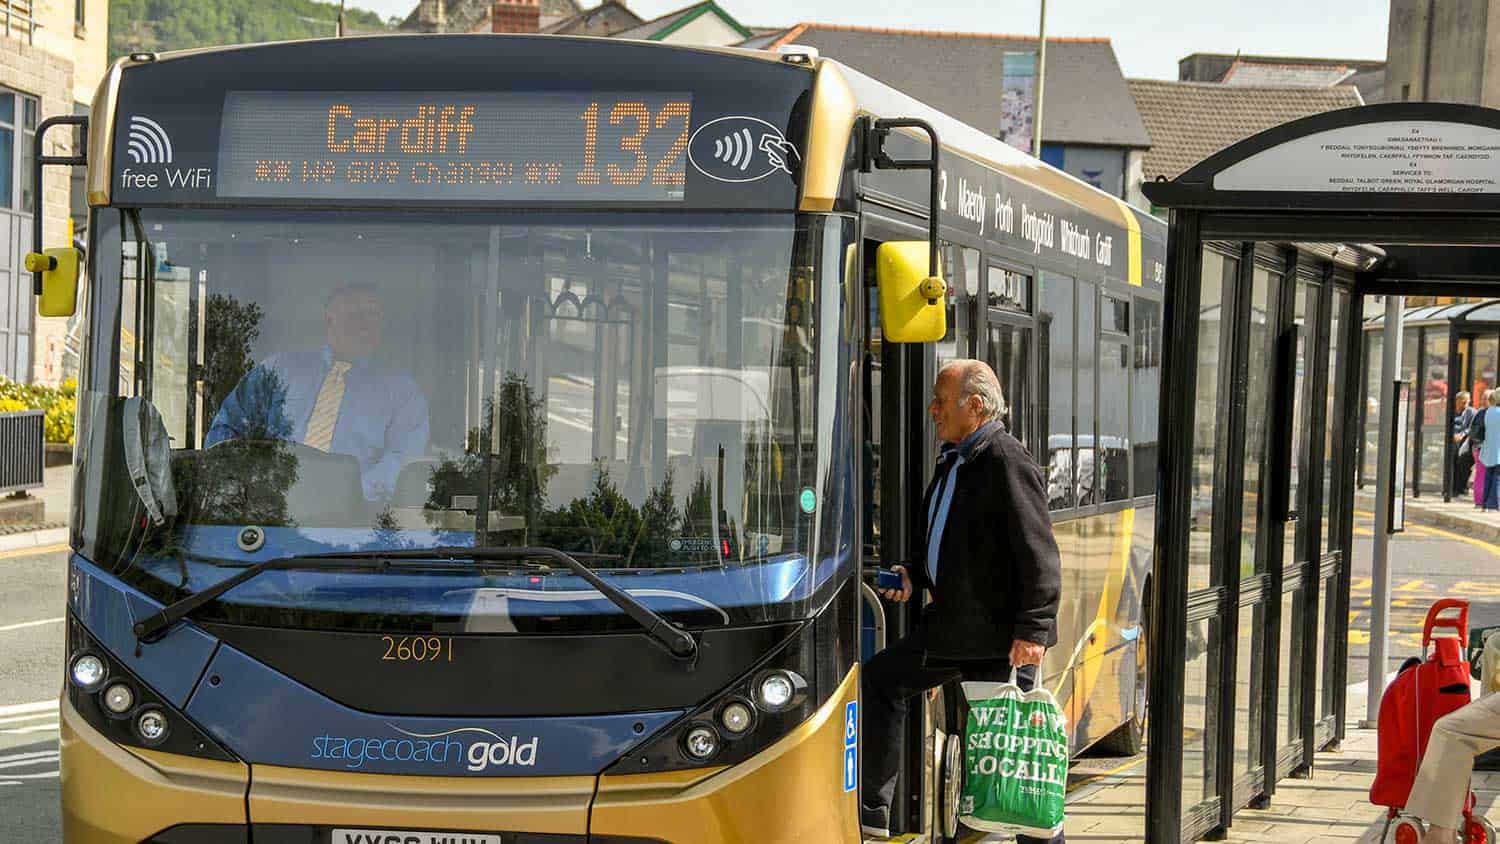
35 754
25 624
44 728
45 775
22 763
25 708
21 719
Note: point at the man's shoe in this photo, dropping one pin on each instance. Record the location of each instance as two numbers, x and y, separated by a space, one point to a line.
874 823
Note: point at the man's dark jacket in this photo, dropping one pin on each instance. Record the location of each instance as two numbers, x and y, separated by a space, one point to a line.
999 576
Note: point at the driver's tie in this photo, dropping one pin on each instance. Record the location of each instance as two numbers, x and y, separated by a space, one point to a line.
325 412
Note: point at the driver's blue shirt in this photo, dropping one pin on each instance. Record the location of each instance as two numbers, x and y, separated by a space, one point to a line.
382 419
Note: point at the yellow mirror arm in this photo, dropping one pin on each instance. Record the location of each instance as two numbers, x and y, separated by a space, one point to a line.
932 289
37 262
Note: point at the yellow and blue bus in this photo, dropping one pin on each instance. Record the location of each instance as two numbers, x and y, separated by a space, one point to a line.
485 439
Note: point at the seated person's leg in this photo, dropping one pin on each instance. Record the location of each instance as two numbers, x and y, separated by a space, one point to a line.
1442 785
889 680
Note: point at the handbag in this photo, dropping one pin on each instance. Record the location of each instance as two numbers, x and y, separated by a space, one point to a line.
1015 759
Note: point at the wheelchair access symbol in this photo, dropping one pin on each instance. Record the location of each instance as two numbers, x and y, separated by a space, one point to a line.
741 149
851 745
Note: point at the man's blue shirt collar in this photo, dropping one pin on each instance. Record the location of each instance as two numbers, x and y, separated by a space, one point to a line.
968 444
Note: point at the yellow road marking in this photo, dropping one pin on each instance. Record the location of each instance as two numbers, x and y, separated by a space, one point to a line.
1120 769
1361 584
31 552
1432 531
1411 586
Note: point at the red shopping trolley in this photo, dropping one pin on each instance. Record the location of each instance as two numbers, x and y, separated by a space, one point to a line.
1425 689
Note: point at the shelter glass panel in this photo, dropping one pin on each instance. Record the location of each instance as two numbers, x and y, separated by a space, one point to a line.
1434 436
1369 442
1204 565
1257 399
1335 415
1411 354
1328 612
1289 683
1486 364
1199 754
1249 680
1055 322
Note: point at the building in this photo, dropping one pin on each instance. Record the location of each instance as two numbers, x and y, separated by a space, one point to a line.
1090 128
1444 50
1285 72
52 57
1189 121
702 24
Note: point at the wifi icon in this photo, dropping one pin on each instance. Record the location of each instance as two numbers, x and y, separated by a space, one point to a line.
148 143
736 149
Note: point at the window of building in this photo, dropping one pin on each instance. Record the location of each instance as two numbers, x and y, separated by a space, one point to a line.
18 117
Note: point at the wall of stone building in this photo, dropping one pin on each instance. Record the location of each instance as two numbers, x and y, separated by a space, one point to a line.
1464 65
1458 33
1405 50
36 71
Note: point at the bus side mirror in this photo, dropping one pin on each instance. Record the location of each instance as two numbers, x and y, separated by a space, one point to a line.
59 269
912 306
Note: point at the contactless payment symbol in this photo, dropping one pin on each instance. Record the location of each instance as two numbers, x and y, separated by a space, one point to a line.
851 745
741 149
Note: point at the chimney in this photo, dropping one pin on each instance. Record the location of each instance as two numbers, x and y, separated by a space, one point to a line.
516 16
431 17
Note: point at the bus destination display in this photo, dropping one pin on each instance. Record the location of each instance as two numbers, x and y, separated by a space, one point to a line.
467 146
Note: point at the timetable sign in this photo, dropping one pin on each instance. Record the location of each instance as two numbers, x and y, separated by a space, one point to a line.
563 146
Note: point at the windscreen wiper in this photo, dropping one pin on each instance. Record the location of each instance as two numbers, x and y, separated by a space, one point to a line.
677 641
151 628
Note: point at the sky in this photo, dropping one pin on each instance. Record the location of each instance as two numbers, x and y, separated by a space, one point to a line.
1149 36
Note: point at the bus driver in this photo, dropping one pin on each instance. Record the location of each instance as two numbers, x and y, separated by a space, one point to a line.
334 399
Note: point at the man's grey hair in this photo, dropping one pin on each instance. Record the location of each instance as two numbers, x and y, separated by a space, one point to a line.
1494 397
975 378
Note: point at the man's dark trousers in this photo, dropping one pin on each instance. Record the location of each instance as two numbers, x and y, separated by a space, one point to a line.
889 681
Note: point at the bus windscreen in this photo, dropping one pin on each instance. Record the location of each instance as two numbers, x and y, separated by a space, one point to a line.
498 146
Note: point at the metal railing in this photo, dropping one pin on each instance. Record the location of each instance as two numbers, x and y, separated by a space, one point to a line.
21 450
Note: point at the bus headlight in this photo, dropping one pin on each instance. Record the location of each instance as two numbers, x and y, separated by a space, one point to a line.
88 672
777 690
118 698
701 742
736 717
152 726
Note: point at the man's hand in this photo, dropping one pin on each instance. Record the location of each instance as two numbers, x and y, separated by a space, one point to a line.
1023 652
902 594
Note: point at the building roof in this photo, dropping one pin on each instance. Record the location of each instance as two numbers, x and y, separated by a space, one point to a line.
1085 100
1264 75
1189 121
467 15
658 28
607 18
1215 65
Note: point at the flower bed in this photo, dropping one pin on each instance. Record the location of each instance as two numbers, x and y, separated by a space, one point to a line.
60 403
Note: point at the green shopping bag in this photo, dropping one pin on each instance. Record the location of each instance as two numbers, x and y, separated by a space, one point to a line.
1015 759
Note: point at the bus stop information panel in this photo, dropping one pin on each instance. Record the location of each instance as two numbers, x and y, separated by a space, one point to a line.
654 129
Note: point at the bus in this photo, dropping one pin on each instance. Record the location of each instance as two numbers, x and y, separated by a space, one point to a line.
488 438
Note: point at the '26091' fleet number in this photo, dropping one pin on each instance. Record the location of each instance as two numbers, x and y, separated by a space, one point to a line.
417 649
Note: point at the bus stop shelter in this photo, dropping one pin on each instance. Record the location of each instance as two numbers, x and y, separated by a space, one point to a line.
1275 245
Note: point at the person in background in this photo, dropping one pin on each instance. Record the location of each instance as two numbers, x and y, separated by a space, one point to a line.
1481 401
1463 455
1489 452
991 565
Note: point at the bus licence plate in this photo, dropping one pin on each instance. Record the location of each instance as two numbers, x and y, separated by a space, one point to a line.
409 836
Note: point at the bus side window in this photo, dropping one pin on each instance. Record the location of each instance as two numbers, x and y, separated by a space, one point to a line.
1055 388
